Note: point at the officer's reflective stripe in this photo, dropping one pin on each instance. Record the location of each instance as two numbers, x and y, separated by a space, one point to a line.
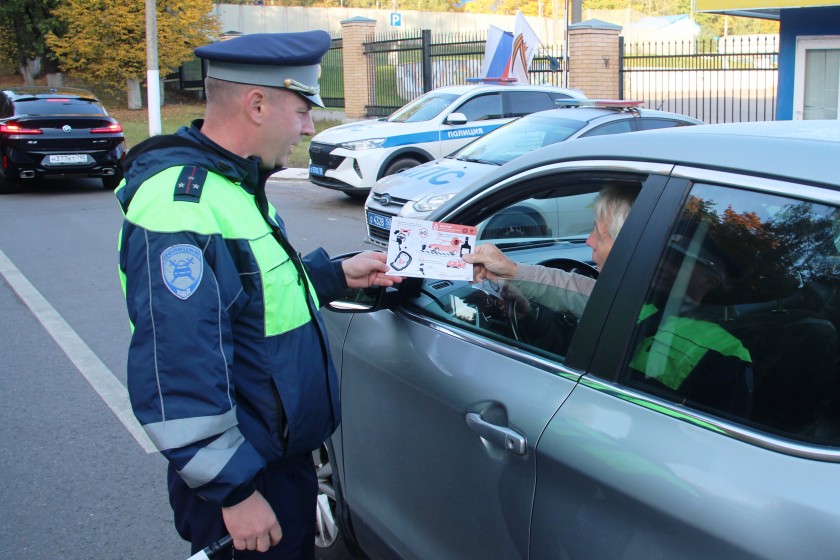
231 213
172 434
209 462
221 209
679 344
285 309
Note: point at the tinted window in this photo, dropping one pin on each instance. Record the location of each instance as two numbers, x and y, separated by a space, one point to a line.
526 102
614 127
653 124
56 106
424 107
482 107
741 319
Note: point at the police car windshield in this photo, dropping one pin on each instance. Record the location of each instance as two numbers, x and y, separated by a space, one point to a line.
423 108
517 138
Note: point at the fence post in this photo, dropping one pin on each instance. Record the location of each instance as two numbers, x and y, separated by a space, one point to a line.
426 43
594 62
354 32
621 67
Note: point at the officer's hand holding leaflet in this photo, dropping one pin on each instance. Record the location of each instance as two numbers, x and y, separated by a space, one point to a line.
368 269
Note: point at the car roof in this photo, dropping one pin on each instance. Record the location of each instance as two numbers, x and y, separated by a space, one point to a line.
801 150
584 113
19 92
469 88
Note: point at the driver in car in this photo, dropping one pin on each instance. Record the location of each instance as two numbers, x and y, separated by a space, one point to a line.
539 283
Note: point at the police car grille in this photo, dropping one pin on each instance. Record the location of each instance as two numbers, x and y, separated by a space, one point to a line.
388 200
320 155
378 234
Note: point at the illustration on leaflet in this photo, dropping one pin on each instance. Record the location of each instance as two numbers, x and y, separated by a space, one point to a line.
425 249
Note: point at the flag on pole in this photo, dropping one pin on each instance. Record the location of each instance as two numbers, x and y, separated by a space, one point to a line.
525 44
496 52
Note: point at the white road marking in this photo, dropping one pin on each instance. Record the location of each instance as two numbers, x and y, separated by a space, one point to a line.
86 361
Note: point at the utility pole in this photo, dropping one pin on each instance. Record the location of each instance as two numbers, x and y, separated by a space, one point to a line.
152 70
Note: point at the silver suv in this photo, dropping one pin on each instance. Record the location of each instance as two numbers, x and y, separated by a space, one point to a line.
690 408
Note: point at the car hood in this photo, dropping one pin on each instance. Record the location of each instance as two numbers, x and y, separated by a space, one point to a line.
363 130
435 177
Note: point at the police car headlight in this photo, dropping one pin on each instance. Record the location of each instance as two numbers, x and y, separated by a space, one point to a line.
368 144
432 202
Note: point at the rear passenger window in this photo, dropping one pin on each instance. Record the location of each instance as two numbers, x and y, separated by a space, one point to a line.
615 127
526 102
742 318
654 124
482 107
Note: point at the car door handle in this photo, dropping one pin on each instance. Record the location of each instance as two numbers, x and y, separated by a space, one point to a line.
511 441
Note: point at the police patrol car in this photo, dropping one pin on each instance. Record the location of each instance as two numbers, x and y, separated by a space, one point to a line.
352 157
416 192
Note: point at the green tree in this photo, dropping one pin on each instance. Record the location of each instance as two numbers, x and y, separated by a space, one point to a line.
105 41
23 27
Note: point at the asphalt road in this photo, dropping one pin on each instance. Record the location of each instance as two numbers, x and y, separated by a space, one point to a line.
79 478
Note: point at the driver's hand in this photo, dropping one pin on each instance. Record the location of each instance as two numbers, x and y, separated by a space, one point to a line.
490 263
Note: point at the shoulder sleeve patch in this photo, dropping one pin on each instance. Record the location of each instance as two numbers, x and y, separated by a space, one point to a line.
190 183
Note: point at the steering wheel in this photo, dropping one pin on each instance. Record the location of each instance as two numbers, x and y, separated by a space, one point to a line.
561 320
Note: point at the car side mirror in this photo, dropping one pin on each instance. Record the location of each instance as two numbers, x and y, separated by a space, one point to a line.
365 300
456 118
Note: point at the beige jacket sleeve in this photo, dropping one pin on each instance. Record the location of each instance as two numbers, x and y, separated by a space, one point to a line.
554 288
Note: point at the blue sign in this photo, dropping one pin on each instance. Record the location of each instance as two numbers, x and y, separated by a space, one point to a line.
396 19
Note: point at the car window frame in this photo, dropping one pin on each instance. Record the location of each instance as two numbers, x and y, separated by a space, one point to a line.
619 321
510 96
463 209
497 94
598 130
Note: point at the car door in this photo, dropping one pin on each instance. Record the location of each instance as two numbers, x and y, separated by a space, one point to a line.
706 425
446 396
484 112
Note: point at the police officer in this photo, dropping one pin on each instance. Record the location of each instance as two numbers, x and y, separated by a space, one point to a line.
229 370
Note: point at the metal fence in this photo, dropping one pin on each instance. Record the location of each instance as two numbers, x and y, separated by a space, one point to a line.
331 79
402 67
731 79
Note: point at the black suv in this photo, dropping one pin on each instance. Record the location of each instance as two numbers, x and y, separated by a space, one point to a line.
57 131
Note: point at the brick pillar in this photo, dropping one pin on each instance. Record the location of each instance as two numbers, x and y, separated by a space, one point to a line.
593 58
354 32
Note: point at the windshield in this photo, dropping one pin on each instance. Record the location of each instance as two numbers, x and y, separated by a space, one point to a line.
517 138
423 108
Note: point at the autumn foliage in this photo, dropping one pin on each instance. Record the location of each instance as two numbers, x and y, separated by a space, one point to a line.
104 41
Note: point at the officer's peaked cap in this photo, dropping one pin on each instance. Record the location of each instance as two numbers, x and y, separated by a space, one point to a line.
283 60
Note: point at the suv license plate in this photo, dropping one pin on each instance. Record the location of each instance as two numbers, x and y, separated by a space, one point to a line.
316 170
63 159
377 220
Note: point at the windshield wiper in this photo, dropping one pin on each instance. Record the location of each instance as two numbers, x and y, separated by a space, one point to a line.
484 161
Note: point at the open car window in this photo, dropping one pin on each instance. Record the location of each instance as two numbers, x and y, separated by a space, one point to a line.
546 228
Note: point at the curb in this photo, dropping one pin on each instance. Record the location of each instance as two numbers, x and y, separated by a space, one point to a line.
291 174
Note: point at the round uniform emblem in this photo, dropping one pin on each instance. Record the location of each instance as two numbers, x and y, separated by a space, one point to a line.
182 267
